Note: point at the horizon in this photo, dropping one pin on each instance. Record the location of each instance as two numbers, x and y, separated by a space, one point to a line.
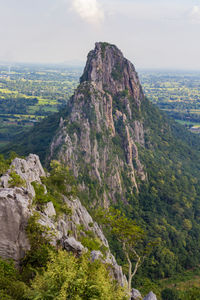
82 65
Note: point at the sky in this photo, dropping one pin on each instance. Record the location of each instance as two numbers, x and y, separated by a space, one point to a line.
151 33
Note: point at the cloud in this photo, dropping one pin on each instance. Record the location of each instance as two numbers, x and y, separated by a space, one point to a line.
89 10
195 14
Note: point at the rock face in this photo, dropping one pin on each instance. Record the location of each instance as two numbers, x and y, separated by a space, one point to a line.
100 134
16 208
14 214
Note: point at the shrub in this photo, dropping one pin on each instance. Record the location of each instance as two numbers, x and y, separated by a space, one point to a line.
169 294
15 180
68 277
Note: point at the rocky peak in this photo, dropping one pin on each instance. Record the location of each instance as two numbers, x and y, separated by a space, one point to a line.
99 137
110 71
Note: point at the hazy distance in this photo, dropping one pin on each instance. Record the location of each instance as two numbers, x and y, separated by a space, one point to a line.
151 33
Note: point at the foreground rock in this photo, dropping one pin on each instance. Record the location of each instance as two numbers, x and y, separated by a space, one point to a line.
16 208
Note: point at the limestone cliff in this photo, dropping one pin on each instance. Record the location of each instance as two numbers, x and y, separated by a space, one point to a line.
103 127
16 207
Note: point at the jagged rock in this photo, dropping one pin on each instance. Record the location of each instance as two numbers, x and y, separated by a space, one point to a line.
4 181
116 270
150 296
29 169
135 295
49 210
107 67
102 127
71 244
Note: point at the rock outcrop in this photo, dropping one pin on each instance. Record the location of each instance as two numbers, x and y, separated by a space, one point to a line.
135 295
100 134
16 207
150 296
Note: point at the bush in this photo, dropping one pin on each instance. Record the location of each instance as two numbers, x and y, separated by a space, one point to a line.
169 294
68 277
15 180
10 285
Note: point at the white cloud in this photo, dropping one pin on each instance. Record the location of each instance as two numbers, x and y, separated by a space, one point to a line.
89 10
195 14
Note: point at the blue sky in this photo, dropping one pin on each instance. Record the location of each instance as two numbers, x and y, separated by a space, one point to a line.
151 33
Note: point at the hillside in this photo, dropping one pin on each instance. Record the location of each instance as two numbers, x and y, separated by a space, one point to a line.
124 152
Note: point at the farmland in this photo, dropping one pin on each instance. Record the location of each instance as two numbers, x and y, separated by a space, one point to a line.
177 93
29 93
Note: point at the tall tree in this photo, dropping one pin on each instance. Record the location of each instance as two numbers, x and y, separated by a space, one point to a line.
130 235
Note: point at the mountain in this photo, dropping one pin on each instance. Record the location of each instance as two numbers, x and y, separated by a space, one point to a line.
126 153
98 138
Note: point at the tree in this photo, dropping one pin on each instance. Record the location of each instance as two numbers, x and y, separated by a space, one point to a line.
130 235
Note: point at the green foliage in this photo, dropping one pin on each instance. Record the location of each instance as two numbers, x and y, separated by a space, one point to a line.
11 287
61 179
41 196
130 235
144 285
123 228
23 143
67 277
37 257
117 72
59 183
15 180
4 165
91 243
190 294
169 294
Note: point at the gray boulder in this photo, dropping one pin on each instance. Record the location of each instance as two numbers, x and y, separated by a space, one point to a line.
49 210
150 296
135 295
71 244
